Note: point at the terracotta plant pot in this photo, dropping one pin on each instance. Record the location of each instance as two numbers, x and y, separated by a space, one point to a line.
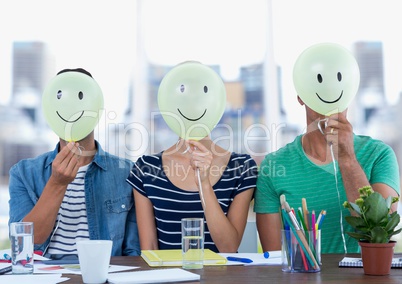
377 258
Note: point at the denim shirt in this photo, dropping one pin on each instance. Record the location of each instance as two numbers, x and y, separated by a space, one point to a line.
109 198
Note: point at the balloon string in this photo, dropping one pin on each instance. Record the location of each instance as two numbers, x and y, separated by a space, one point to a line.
198 177
80 149
325 120
339 198
200 188
185 151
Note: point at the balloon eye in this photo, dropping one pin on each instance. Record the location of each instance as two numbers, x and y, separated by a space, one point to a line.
339 76
59 94
80 95
205 89
182 88
319 78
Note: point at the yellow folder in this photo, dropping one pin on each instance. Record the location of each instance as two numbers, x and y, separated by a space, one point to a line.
173 257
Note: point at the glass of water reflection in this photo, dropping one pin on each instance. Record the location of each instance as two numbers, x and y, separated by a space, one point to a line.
192 235
22 247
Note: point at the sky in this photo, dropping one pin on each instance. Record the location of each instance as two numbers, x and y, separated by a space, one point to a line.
101 36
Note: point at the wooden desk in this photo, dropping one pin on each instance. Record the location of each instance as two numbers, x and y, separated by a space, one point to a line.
330 273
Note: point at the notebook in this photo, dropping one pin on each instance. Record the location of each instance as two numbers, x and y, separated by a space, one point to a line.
173 257
357 262
153 276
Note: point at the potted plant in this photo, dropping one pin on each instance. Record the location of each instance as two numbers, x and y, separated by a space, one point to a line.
374 225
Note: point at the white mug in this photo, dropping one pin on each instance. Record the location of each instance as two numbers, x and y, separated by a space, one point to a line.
94 257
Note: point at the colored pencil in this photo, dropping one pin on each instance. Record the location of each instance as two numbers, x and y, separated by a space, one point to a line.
305 213
300 236
322 219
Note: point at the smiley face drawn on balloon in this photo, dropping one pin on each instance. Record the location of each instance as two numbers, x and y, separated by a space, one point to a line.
326 77
73 104
192 99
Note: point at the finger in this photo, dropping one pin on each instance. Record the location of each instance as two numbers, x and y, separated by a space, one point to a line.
72 166
200 154
195 159
196 145
71 156
335 117
189 148
64 155
330 139
201 166
333 123
331 131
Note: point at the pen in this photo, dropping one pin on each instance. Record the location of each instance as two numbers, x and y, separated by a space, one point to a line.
305 213
60 261
7 258
319 217
302 221
6 269
299 235
322 218
239 259
313 228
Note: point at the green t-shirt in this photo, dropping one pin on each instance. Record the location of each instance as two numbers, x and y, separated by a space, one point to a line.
290 172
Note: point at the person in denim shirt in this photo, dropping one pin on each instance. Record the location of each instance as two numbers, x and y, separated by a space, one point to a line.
40 188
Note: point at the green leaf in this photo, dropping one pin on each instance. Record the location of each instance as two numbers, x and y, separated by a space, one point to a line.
355 207
393 222
388 201
359 236
379 235
377 208
355 221
395 232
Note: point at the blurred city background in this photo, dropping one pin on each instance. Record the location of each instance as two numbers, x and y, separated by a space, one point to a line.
129 46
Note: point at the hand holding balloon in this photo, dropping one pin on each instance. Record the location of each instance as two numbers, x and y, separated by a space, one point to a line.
339 133
326 77
65 165
201 159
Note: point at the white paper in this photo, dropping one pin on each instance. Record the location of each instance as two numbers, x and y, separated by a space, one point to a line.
8 252
153 276
40 268
4 264
33 279
275 258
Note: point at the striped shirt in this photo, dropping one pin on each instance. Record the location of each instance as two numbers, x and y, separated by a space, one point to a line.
72 222
171 203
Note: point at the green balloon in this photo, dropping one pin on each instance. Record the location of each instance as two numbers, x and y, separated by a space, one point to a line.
192 99
72 103
326 77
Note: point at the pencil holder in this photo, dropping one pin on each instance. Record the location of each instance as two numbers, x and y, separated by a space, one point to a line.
301 250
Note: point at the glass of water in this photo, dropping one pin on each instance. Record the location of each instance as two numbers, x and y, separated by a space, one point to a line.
192 233
22 247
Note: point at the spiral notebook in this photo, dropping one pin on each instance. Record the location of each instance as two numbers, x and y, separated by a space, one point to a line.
173 257
357 262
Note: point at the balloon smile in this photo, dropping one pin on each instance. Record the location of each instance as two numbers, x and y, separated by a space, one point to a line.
330 102
82 113
192 119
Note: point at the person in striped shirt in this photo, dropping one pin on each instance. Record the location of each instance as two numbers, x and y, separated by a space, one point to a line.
167 189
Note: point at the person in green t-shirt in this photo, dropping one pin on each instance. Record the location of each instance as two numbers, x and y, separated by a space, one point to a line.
326 176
